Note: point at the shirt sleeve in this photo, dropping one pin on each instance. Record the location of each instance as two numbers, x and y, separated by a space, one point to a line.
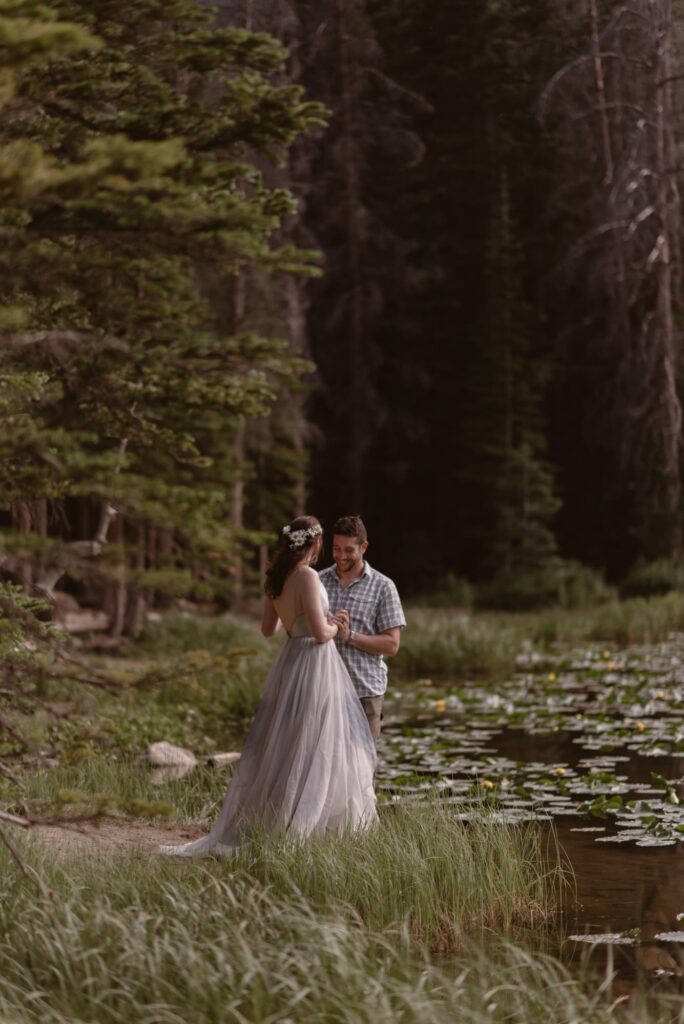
390 613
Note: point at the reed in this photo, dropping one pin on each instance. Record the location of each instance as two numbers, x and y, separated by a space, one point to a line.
193 799
421 873
453 645
123 941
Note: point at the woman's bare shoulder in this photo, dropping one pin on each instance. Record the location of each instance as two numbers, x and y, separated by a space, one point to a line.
302 576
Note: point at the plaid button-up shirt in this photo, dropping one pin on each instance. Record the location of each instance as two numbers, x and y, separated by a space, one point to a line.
374 606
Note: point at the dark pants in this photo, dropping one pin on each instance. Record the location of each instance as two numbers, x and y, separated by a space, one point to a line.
373 708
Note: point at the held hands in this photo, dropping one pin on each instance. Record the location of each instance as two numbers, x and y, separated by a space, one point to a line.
340 619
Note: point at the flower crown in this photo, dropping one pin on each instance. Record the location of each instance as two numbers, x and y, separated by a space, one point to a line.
298 538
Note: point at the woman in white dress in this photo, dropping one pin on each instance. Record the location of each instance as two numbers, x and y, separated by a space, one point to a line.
308 762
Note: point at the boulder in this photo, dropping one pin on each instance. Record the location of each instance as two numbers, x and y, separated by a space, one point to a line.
164 753
224 757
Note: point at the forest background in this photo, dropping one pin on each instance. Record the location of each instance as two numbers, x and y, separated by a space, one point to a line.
415 261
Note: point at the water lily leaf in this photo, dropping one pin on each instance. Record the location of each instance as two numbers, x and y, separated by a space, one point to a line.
607 938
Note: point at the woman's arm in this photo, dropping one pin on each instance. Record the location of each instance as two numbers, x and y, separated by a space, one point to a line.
321 629
270 623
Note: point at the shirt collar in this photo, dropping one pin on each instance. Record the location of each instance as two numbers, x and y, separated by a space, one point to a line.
366 574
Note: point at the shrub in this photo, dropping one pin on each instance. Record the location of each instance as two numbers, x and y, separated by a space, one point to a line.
650 579
451 591
562 583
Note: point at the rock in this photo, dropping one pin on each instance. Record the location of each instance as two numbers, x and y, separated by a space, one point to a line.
158 776
224 757
164 753
64 603
88 620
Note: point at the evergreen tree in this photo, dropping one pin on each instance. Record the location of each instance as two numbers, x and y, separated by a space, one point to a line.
466 327
136 378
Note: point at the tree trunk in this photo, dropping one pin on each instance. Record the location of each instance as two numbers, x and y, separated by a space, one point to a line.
21 517
119 589
136 605
238 505
354 240
668 217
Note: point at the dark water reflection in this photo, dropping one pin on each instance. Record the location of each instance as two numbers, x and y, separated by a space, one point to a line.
555 747
627 895
621 890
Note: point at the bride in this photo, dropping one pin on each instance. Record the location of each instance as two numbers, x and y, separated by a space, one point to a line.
308 762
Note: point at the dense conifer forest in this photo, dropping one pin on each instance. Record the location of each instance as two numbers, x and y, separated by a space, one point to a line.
415 261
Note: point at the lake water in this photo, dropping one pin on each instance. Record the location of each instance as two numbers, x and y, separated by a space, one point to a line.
593 746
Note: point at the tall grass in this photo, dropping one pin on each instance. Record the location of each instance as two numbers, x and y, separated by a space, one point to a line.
193 799
119 943
420 871
455 645
176 634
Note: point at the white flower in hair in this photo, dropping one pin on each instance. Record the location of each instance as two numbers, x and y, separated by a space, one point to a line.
298 538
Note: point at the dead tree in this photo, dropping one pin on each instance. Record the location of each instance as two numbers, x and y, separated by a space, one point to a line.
613 110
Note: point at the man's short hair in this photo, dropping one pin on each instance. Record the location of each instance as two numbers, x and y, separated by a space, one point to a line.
350 526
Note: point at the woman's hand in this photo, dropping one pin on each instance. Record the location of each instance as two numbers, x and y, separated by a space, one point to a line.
341 620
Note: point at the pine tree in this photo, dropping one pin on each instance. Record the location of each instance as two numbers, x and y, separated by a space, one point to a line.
135 379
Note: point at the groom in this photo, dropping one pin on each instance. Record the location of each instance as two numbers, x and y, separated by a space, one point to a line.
366 607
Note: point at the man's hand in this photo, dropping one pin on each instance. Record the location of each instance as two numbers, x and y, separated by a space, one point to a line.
341 620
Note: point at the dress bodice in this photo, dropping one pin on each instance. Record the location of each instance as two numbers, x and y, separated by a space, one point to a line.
300 626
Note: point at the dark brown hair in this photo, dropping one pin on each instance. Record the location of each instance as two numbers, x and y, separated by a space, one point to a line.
285 557
350 526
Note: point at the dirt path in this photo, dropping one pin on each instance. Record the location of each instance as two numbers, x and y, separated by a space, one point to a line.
113 836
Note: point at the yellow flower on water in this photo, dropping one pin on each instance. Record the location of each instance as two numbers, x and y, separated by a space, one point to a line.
660 694
487 784
606 654
551 677
639 726
559 771
440 705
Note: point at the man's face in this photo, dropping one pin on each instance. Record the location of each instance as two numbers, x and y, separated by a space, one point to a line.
347 553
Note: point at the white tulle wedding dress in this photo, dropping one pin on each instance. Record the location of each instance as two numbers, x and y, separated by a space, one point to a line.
308 762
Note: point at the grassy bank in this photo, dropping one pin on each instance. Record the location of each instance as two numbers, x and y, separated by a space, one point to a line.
123 941
453 644
197 681
421 872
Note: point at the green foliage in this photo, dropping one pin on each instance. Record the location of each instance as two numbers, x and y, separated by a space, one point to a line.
29 649
648 579
451 591
133 214
194 681
561 583
450 644
192 798
177 634
422 870
176 935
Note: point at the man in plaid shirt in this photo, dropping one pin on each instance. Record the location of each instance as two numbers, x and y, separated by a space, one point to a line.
366 607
